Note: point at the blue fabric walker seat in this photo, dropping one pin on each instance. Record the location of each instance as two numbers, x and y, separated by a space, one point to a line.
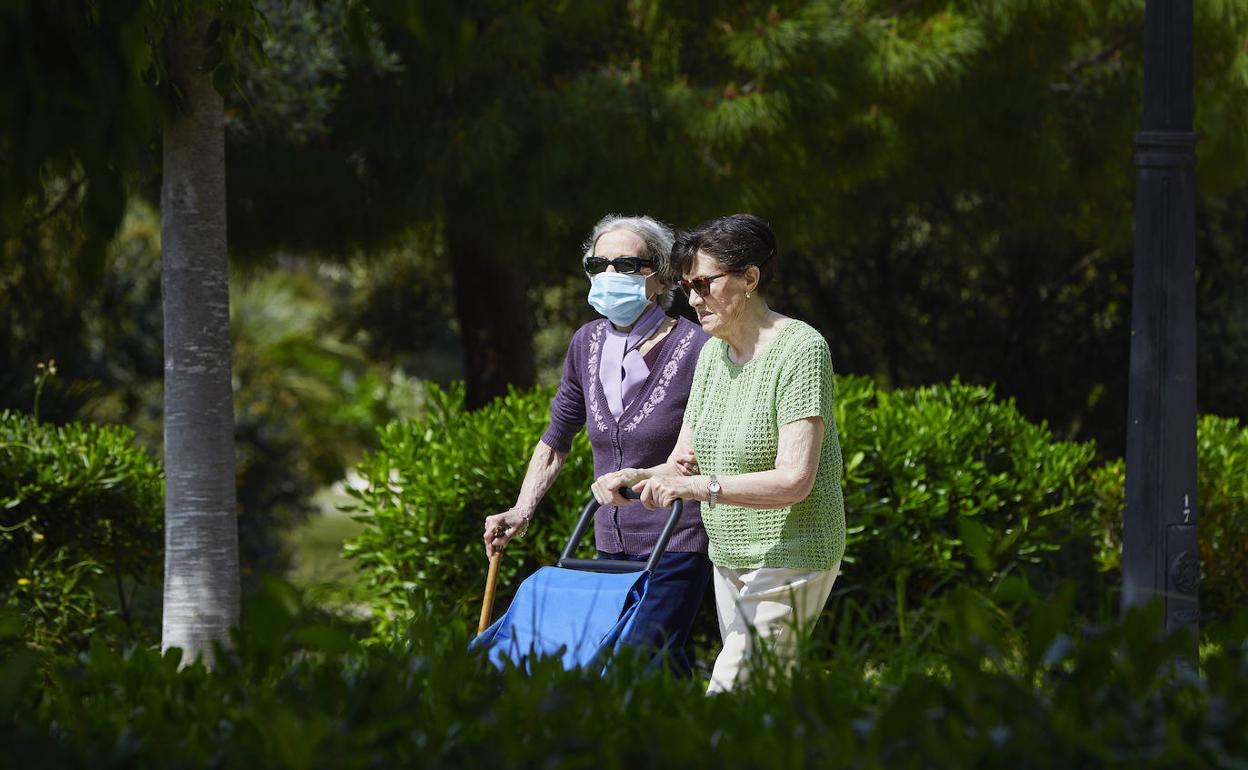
577 611
577 616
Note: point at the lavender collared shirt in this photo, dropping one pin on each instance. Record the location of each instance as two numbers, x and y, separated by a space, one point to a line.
642 437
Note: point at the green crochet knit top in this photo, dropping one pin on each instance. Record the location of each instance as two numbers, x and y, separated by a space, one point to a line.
735 412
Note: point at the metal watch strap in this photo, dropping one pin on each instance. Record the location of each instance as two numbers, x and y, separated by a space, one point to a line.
713 489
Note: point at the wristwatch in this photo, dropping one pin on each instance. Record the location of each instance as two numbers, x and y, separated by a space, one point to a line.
713 488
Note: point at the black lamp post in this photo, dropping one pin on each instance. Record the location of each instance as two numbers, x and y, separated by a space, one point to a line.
1160 556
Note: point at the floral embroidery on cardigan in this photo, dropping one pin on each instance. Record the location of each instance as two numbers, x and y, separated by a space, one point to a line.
595 350
660 388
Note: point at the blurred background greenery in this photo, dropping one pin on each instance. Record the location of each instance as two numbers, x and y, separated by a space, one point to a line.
951 184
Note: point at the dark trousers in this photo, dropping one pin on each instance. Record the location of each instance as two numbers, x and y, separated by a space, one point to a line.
672 601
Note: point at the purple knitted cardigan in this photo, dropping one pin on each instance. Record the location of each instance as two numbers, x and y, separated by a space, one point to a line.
642 437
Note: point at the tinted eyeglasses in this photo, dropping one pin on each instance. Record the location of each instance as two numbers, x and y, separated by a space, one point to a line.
596 265
702 285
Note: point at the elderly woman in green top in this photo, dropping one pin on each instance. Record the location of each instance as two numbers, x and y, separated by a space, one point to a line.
768 462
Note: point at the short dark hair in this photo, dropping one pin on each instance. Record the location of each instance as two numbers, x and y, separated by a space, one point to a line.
738 242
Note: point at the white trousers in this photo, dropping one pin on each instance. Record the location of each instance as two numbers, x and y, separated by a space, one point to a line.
767 608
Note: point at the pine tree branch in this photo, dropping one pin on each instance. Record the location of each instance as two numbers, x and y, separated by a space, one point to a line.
1075 67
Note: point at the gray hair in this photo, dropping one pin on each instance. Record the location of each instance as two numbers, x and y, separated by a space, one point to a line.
658 238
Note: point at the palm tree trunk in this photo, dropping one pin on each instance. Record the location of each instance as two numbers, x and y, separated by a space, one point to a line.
201 591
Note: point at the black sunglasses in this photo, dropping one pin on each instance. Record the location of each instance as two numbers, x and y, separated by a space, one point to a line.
596 265
702 285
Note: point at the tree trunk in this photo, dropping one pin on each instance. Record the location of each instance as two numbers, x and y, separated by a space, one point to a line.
492 304
201 591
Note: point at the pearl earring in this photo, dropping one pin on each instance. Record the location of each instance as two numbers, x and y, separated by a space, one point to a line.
747 294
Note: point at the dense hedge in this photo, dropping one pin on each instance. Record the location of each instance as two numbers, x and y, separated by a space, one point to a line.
945 485
433 482
80 525
296 695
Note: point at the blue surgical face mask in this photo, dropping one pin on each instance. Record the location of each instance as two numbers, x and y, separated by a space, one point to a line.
619 296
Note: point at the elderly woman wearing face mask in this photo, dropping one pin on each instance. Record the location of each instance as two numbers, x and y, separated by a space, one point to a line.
768 457
626 380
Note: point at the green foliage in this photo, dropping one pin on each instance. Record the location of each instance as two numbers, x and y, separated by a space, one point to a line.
73 108
80 526
305 403
84 102
947 485
292 88
1221 313
1222 515
318 568
430 487
297 693
1222 500
396 306
941 175
306 394
944 486
944 202
945 177
103 328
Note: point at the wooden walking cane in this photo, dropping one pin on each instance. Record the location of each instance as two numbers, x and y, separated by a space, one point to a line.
487 603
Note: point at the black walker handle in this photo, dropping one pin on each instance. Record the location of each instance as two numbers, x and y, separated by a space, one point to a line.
567 561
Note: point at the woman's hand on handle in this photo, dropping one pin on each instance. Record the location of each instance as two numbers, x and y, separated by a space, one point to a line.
501 528
661 491
606 488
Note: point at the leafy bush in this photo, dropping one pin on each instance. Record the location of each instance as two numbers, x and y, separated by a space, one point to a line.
81 517
433 482
1222 515
299 694
944 485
